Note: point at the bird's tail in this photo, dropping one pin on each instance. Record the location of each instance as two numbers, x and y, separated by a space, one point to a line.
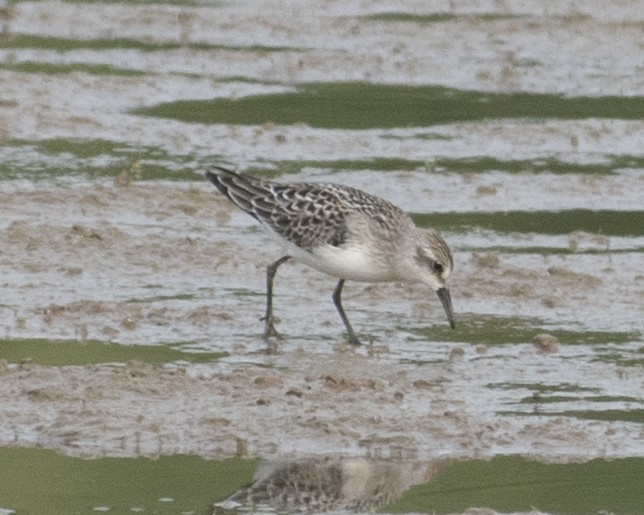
242 189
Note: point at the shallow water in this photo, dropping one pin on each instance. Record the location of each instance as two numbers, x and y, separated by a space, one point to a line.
189 484
131 291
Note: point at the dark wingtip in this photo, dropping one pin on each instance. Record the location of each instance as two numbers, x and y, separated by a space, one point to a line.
211 177
216 173
215 178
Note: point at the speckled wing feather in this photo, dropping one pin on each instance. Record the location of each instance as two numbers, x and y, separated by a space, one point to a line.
306 214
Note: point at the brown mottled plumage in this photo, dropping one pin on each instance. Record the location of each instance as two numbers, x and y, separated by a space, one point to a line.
323 484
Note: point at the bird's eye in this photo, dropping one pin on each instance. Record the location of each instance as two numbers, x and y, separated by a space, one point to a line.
435 267
424 260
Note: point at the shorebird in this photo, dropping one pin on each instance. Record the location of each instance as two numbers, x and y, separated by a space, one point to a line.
343 232
322 484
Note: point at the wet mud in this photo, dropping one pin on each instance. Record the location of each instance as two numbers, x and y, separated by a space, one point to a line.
115 279
109 235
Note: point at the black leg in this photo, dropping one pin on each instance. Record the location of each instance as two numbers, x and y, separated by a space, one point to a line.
269 326
353 339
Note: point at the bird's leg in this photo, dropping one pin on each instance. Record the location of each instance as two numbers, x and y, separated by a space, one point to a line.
269 326
353 339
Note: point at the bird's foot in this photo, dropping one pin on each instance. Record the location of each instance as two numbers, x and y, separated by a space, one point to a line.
269 328
353 339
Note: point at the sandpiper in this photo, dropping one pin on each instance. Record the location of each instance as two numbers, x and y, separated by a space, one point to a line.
343 232
325 483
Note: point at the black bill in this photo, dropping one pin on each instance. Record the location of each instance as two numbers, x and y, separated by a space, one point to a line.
443 295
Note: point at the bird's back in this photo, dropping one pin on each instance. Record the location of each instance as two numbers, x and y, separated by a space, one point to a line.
306 214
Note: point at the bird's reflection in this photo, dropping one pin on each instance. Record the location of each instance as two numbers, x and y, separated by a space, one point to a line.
328 484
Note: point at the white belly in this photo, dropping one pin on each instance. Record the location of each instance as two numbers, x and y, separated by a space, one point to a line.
349 263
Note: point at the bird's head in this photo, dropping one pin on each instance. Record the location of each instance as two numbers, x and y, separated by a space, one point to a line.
435 264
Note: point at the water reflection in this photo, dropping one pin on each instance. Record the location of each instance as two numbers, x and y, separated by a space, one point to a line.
328 484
